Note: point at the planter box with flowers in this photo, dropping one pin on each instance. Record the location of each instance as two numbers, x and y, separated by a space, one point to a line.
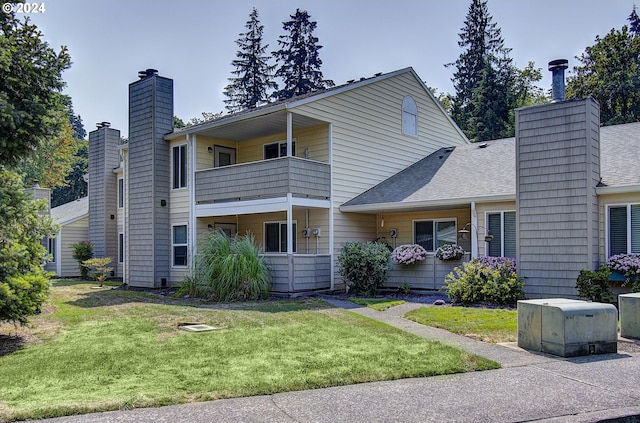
408 254
625 268
450 252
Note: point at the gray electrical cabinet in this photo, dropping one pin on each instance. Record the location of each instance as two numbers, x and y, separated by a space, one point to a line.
567 328
629 305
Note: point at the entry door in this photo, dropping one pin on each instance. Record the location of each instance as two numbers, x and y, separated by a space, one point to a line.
223 156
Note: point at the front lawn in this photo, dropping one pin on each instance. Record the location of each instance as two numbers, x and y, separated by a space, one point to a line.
94 350
485 324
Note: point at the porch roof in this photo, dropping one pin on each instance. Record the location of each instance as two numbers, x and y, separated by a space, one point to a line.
485 172
71 211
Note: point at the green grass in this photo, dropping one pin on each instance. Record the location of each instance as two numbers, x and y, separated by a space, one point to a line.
379 304
485 324
93 350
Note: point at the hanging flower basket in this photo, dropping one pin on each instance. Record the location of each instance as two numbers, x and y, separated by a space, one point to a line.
408 254
450 252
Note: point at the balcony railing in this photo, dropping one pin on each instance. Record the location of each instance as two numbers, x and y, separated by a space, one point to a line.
264 179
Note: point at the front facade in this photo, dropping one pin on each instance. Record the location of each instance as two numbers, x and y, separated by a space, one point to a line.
279 172
374 159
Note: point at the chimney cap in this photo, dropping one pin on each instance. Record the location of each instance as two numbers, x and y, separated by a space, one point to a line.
103 125
558 64
146 73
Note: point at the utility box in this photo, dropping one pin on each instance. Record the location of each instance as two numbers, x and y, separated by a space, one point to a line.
629 305
567 328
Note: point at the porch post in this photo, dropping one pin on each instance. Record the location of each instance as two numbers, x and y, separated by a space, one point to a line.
290 239
289 134
474 232
192 242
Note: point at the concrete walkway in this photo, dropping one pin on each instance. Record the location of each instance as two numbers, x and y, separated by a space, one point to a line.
529 387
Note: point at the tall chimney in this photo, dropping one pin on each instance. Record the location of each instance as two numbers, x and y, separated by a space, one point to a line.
557 68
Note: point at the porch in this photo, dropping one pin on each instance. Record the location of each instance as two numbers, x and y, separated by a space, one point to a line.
427 274
299 272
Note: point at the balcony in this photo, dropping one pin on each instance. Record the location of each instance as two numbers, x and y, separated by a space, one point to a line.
264 179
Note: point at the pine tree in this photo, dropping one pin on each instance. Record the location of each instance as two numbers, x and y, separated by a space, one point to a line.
253 73
487 84
299 58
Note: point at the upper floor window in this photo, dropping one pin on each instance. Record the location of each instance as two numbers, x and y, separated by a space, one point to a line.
120 193
179 166
278 149
502 227
623 224
409 116
431 234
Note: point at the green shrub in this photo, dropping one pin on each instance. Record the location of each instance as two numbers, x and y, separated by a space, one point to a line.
364 265
594 286
228 269
82 251
100 267
475 282
22 295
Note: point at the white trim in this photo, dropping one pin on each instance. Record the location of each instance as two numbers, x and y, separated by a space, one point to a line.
620 189
424 204
486 230
262 205
59 248
172 165
606 226
439 219
280 144
70 221
474 233
331 208
119 192
192 141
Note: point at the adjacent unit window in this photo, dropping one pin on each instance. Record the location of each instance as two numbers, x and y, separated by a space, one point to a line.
51 249
278 149
120 248
120 193
275 237
179 166
409 116
431 234
623 224
502 226
223 156
179 245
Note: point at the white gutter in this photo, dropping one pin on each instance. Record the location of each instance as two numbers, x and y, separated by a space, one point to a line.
619 189
394 207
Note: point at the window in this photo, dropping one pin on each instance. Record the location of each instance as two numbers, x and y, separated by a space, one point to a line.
275 237
409 116
180 166
179 245
431 234
223 156
623 229
278 149
120 248
51 249
502 226
120 193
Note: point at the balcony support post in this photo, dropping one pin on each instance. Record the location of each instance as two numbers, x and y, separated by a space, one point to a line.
290 235
289 133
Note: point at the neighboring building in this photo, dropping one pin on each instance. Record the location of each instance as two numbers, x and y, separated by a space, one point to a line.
73 218
376 158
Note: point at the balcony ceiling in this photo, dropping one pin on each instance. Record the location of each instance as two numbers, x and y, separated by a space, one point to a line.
260 126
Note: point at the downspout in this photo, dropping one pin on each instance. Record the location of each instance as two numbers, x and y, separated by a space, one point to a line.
474 232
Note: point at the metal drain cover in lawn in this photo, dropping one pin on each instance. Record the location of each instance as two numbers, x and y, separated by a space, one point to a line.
200 327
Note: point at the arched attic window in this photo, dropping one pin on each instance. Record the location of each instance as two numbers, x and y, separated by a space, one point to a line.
409 116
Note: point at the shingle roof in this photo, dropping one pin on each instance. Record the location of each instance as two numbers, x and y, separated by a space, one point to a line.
487 171
71 211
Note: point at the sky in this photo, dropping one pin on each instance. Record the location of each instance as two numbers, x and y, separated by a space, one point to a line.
194 41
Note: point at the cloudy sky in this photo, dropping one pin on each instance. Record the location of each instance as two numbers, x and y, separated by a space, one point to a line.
193 41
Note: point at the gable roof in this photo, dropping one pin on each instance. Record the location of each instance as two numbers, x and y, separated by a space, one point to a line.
71 211
456 176
290 103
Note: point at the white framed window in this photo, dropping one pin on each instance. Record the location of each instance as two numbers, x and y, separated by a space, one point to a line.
623 229
229 229
179 166
502 227
275 237
51 249
278 149
431 234
409 116
120 247
120 193
223 156
179 245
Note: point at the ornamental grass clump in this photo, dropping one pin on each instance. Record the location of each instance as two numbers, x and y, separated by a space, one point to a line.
478 281
228 269
408 254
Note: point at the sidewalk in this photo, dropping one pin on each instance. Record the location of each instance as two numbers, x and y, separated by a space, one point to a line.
529 387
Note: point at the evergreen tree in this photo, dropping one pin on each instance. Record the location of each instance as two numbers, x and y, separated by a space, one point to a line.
299 58
487 84
253 73
609 71
634 22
